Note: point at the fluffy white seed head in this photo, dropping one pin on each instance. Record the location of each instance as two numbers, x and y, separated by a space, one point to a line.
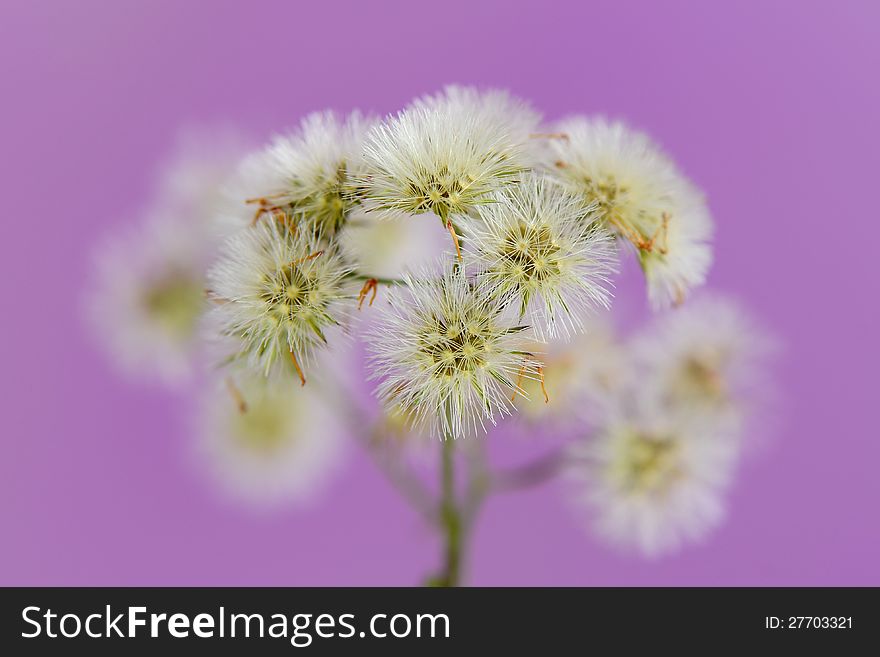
148 296
641 196
308 174
544 253
267 443
655 482
446 357
276 291
447 153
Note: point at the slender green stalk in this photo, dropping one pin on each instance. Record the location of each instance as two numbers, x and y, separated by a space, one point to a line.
381 281
450 517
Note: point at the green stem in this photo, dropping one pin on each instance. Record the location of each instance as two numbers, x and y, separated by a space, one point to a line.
380 281
450 516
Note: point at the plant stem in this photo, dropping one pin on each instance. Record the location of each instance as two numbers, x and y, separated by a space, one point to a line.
390 282
405 482
450 517
396 472
531 474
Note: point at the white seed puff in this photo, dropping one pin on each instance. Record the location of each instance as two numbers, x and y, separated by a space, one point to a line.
544 252
446 356
277 290
654 481
445 154
641 196
308 174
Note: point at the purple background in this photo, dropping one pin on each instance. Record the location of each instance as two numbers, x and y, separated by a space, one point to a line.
772 107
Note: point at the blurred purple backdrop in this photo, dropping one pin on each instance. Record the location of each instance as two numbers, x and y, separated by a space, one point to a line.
772 107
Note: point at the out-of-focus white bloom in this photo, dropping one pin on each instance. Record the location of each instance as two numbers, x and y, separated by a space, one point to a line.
704 357
655 481
268 442
387 248
446 153
447 358
278 290
308 175
191 183
147 298
148 295
582 377
641 196
541 249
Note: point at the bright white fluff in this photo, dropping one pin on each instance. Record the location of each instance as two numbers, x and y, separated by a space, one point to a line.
543 252
277 291
641 196
147 298
705 356
447 153
446 357
268 442
654 481
308 174
386 248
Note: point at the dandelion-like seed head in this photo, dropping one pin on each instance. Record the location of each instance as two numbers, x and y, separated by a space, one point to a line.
542 250
445 154
277 290
447 358
655 483
307 176
641 196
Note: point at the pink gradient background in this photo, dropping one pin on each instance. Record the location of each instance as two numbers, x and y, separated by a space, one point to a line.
772 107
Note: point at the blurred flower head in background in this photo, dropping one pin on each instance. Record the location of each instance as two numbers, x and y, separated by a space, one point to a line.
582 375
708 356
268 443
655 474
148 298
389 247
147 293
655 479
